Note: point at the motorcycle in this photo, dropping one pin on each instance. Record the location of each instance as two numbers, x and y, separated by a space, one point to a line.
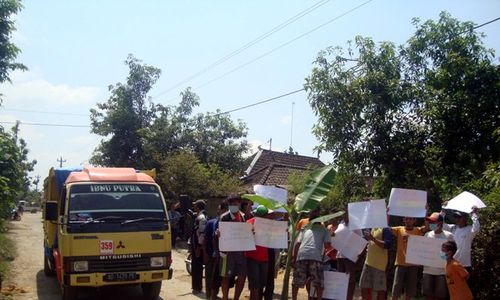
15 216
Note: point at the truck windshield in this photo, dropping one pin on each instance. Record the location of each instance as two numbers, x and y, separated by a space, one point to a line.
105 207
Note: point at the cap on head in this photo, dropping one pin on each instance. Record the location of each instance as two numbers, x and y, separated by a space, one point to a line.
261 211
460 214
435 217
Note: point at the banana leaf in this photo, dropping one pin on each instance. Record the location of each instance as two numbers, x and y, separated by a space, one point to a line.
268 203
324 219
319 184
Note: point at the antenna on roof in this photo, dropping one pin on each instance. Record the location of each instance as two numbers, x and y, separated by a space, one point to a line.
291 128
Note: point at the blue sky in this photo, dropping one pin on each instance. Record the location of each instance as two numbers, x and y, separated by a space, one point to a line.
75 49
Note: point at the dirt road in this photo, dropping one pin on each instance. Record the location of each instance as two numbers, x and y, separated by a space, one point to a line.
27 272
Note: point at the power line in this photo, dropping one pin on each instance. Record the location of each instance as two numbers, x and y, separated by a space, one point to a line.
279 47
44 112
247 45
47 124
486 23
260 102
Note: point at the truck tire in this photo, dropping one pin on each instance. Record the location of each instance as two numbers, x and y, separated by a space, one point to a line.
46 267
151 290
69 292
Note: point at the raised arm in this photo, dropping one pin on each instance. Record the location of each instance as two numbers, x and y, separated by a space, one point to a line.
475 221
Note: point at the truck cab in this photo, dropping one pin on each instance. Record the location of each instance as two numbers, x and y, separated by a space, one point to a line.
106 226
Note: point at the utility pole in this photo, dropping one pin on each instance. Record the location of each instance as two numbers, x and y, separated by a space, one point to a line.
61 161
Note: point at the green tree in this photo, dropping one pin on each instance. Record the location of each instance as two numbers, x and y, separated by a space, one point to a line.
183 173
123 115
14 168
9 51
216 139
419 115
213 137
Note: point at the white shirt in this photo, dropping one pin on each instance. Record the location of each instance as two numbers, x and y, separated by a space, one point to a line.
464 237
445 235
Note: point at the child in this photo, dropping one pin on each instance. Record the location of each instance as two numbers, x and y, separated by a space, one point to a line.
456 275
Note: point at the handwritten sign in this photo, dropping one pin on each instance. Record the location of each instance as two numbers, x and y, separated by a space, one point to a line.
336 284
464 202
424 251
348 243
271 234
367 214
236 236
407 203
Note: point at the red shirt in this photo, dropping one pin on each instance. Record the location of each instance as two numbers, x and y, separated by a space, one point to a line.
260 253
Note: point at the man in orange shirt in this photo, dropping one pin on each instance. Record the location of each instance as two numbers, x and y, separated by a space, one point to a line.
313 214
456 275
405 276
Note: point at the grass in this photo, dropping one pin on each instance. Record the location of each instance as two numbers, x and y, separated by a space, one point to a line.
7 251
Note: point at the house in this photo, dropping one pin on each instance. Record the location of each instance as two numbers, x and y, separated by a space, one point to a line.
273 168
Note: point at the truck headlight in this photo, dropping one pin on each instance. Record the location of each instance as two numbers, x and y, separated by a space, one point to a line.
81 266
158 261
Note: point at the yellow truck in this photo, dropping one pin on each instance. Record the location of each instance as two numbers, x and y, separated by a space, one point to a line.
105 226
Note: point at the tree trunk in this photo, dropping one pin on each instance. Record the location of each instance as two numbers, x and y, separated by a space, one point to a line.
288 268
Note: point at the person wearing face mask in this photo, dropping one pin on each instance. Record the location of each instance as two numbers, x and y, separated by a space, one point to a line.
434 280
232 264
456 274
464 234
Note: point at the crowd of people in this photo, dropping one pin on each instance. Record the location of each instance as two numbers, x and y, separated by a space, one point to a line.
313 253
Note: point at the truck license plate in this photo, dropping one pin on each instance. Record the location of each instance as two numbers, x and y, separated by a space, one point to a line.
121 277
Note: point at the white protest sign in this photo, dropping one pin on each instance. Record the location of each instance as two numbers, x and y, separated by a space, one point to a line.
274 193
407 203
367 214
271 234
424 251
336 284
464 202
236 236
348 243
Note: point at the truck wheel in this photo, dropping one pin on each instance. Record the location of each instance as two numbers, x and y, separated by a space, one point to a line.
46 267
151 290
69 292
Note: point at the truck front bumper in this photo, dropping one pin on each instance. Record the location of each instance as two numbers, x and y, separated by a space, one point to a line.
117 278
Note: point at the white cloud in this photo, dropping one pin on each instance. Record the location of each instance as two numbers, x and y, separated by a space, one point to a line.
30 88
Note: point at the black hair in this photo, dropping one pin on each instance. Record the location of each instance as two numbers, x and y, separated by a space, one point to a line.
451 246
233 198
223 205
200 203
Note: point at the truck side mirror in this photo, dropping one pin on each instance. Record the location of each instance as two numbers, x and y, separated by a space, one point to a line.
51 211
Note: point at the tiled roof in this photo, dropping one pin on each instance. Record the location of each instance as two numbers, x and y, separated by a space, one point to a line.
273 168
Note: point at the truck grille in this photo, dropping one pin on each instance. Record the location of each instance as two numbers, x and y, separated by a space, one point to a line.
135 264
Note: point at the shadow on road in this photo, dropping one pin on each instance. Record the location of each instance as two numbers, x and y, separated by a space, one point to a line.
48 289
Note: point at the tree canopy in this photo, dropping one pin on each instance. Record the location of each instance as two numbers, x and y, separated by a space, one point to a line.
419 114
171 138
8 50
